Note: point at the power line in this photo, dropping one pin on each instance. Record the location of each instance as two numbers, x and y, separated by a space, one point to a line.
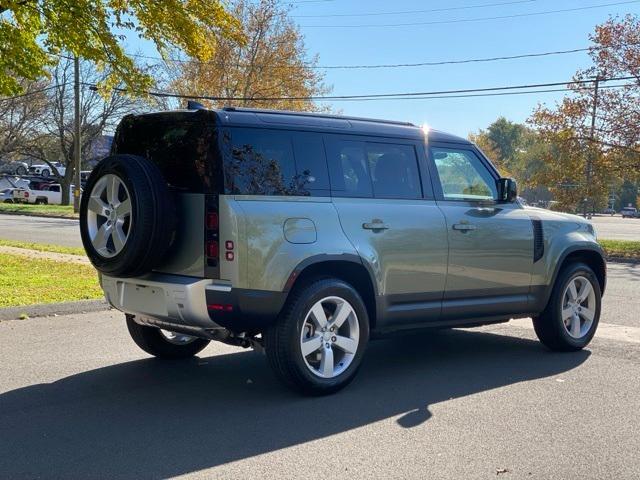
406 12
400 65
477 19
404 95
34 92
476 95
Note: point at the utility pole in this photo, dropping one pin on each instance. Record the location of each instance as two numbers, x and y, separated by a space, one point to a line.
76 136
592 142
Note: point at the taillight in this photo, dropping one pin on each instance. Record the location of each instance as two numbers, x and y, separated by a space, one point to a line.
212 221
212 249
212 237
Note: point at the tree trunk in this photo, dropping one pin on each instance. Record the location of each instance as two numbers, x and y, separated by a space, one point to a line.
65 184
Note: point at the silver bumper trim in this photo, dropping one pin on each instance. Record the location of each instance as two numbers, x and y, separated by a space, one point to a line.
172 298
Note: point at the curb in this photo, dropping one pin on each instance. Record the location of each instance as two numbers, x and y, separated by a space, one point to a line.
39 215
632 261
50 309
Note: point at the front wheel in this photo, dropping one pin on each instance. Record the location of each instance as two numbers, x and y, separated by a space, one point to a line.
317 345
571 318
164 344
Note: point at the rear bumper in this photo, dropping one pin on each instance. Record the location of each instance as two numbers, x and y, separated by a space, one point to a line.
193 302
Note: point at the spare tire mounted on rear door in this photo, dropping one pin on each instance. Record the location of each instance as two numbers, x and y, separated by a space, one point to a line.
127 216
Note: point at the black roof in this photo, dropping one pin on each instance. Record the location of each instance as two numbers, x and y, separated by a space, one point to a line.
250 117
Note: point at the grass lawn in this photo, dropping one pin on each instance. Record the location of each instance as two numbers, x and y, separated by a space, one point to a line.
621 248
27 281
46 210
42 247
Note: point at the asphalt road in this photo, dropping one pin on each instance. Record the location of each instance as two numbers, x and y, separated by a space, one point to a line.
79 400
56 231
617 228
65 232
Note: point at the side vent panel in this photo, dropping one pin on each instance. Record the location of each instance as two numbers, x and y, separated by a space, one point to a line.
538 239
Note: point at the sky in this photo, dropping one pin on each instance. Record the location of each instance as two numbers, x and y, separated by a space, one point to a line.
433 40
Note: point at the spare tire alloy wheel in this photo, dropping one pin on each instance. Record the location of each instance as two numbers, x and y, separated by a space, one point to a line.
109 218
329 342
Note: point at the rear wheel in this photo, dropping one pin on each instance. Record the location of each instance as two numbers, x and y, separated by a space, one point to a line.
571 318
45 173
317 345
21 170
165 344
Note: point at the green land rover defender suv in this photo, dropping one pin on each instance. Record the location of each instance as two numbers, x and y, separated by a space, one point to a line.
307 235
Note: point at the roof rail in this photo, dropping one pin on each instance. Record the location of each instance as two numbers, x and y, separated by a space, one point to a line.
314 114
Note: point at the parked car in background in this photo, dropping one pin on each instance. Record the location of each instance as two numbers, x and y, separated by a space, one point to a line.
48 195
15 168
45 170
629 212
6 195
84 176
609 211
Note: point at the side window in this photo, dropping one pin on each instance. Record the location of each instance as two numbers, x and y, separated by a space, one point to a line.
463 176
348 168
274 162
394 170
312 177
261 163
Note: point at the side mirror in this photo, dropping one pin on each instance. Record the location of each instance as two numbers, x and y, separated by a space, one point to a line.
507 190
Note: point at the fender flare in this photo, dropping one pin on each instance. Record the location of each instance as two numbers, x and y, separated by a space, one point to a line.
323 258
595 248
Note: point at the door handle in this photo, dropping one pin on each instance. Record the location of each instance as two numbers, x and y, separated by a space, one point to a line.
375 224
463 227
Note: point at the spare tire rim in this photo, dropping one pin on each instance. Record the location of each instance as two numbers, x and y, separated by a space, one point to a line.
109 218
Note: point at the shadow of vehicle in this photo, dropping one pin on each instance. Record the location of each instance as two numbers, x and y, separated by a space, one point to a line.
150 418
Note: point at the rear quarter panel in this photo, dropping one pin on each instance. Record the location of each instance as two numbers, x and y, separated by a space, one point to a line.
265 258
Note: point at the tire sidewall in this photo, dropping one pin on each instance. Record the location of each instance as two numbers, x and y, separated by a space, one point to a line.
144 228
343 290
111 263
575 270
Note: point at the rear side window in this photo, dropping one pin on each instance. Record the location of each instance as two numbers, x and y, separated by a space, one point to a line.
181 146
370 169
274 162
349 168
394 170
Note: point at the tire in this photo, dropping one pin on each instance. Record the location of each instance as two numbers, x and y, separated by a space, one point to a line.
45 173
283 340
550 327
145 234
21 170
154 342
41 201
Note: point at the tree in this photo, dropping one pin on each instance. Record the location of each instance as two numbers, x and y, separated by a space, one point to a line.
20 117
272 63
517 152
53 139
581 165
31 31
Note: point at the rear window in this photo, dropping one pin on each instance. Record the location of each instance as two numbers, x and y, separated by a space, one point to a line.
274 162
182 145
